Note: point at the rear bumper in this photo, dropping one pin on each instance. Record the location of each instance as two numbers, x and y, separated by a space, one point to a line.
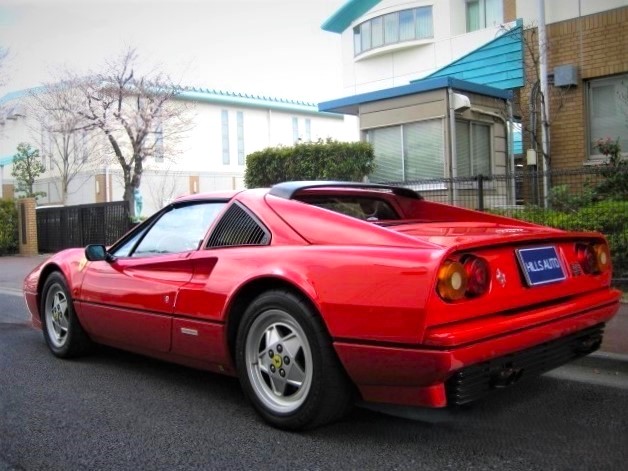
433 376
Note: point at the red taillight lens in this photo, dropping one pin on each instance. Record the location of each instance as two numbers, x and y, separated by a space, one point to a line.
452 281
603 256
593 258
478 276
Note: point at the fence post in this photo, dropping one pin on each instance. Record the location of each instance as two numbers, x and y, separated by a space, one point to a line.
27 226
480 192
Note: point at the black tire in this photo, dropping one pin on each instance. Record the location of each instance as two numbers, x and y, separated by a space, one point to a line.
63 332
308 390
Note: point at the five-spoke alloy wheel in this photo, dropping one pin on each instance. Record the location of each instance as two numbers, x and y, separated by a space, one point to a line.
62 330
279 361
286 363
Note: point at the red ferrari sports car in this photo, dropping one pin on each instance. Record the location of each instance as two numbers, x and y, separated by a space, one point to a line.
316 294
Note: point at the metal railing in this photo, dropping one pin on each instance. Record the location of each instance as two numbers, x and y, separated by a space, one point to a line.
586 198
76 226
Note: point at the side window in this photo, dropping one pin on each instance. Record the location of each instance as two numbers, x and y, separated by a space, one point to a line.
236 228
179 230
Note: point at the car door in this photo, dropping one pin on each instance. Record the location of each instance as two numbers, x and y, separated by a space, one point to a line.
198 328
129 301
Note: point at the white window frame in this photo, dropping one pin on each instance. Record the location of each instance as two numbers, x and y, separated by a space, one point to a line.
226 154
482 20
472 158
240 129
403 157
363 33
621 102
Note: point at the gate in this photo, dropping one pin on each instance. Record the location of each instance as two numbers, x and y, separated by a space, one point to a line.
76 226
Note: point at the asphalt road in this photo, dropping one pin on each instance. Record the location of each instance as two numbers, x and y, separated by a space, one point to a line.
114 410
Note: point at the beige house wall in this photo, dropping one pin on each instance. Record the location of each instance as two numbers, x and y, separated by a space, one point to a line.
434 105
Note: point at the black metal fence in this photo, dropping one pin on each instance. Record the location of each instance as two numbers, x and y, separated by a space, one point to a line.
585 198
76 226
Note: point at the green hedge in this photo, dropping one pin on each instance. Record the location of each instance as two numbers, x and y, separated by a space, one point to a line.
608 217
8 227
321 160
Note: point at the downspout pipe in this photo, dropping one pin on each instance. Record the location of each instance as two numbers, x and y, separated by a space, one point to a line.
511 155
544 99
453 158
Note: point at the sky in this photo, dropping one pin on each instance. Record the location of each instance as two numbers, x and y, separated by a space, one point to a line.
266 47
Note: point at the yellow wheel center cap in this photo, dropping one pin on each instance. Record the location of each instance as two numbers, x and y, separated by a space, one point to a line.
277 361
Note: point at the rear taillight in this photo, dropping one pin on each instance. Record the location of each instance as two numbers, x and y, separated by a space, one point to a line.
478 276
452 280
603 256
468 278
593 258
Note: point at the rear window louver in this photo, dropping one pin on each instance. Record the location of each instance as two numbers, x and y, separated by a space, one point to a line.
236 228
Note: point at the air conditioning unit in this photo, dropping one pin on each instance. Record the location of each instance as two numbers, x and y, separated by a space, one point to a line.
565 76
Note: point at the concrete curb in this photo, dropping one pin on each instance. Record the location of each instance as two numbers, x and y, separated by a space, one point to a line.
608 361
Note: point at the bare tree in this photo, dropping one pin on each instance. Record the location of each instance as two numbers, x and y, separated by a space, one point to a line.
66 138
164 187
532 95
4 53
137 114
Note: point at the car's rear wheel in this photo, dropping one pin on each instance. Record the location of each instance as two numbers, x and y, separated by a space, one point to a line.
286 363
63 332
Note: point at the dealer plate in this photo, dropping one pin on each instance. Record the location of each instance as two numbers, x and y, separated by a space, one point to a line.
540 265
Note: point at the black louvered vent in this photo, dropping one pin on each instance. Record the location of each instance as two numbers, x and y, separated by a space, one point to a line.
237 227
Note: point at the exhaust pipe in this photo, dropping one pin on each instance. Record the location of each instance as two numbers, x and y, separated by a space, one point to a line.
506 376
588 345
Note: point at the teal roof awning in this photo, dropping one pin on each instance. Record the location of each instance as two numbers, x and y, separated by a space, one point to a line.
498 63
346 14
6 160
350 104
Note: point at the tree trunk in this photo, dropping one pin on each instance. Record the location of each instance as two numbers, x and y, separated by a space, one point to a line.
128 197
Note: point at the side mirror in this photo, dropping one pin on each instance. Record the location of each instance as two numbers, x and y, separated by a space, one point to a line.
97 253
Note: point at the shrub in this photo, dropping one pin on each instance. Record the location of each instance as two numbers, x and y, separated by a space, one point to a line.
561 199
608 217
8 227
614 171
320 160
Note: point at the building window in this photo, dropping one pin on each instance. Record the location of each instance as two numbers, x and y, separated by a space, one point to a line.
473 149
484 14
308 129
84 143
412 151
240 123
225 137
393 28
295 129
159 143
607 108
377 32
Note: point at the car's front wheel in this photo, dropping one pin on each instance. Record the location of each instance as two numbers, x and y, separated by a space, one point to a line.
286 363
63 332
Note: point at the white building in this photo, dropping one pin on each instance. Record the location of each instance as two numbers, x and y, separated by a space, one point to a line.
395 49
387 43
227 126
